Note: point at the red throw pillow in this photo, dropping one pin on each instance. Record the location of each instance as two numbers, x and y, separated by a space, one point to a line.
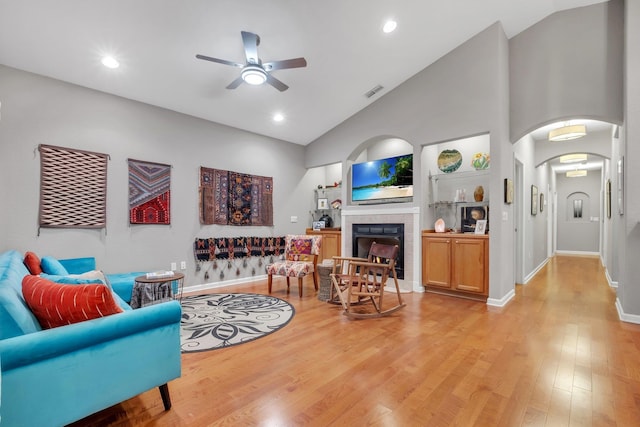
56 304
32 262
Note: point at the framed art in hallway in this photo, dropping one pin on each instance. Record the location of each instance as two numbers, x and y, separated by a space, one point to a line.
534 200
508 191
621 186
607 200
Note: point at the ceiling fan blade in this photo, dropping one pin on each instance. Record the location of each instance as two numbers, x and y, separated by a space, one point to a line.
286 63
234 84
220 61
276 83
251 42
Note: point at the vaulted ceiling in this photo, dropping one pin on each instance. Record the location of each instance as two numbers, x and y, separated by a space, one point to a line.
156 41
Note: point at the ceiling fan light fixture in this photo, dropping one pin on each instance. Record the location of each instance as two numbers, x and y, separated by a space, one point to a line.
567 133
573 158
253 75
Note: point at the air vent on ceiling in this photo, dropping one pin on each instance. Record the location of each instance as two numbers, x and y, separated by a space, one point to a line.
373 91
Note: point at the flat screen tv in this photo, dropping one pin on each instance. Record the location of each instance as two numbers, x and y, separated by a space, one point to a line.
383 181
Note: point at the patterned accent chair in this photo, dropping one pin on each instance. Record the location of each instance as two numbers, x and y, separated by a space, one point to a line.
300 259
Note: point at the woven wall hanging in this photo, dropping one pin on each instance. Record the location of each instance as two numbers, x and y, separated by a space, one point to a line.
232 198
73 188
149 192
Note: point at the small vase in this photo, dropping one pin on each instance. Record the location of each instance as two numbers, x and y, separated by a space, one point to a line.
478 194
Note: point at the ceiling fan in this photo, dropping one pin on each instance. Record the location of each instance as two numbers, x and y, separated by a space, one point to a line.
255 72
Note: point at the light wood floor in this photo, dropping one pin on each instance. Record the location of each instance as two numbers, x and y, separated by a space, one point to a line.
557 355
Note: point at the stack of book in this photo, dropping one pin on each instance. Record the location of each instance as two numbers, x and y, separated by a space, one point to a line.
159 274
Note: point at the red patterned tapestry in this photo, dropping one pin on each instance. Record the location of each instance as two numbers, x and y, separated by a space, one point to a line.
73 188
149 192
232 198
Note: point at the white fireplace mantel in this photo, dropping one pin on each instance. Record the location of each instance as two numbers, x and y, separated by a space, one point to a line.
409 216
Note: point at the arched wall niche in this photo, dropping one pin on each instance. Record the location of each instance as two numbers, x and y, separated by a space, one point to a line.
578 206
383 144
375 148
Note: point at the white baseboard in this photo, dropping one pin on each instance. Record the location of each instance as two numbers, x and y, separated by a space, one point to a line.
631 318
214 285
502 301
611 283
534 272
578 253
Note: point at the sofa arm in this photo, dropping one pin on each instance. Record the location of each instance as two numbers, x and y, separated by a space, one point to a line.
31 348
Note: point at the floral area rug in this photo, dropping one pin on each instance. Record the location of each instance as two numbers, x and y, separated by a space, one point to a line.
221 320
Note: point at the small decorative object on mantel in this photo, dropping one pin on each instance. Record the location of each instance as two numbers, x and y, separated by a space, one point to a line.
480 161
439 226
478 194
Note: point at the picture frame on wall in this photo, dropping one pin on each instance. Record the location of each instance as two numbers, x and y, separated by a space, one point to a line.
508 191
534 200
621 186
607 200
323 203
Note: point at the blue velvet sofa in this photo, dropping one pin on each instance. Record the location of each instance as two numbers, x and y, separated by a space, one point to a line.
52 377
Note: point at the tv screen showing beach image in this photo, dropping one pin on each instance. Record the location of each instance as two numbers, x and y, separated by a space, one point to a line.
389 178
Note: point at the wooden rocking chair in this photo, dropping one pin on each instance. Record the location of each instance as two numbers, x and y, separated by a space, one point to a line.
359 280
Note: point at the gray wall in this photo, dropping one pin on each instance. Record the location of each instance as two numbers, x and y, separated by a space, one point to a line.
464 93
568 65
629 284
579 234
38 110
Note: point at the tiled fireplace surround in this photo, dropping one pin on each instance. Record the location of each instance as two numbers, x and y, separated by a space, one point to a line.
410 217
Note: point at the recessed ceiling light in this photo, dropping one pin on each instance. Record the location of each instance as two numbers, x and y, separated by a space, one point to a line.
389 26
278 117
110 62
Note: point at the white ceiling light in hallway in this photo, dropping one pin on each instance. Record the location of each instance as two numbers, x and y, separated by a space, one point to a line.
567 132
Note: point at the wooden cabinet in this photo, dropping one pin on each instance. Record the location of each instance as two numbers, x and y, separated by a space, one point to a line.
331 242
456 264
436 262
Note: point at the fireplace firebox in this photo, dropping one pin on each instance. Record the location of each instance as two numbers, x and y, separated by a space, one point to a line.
387 234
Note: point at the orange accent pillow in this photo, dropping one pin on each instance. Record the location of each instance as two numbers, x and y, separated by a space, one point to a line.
56 304
32 262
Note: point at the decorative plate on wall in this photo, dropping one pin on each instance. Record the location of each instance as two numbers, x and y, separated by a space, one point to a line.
449 161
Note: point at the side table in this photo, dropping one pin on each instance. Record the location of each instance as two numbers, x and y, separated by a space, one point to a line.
148 291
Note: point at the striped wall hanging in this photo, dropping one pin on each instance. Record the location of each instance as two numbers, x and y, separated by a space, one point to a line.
73 188
149 192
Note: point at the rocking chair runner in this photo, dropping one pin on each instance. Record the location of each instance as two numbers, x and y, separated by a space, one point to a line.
358 280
